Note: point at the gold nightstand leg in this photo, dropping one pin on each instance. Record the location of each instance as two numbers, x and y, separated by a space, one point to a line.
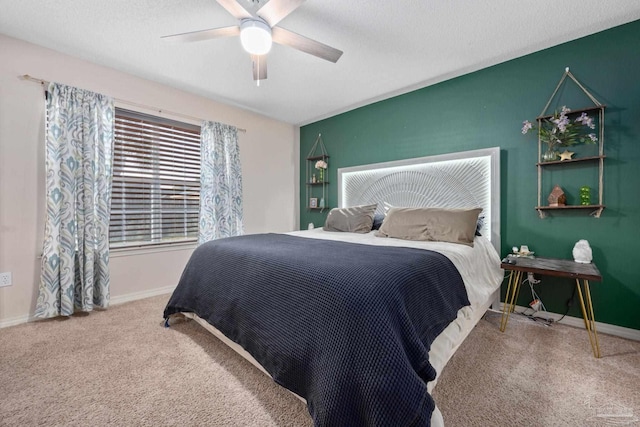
505 306
518 279
510 298
589 317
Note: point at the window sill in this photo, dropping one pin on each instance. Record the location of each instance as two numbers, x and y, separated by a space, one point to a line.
122 251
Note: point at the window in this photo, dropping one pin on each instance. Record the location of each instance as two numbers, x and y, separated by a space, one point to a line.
156 180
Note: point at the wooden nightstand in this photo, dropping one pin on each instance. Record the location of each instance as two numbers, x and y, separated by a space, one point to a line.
582 273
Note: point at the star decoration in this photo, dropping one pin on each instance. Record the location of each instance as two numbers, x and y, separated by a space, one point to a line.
566 155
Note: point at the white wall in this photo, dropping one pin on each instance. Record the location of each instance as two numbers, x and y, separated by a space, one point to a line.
268 153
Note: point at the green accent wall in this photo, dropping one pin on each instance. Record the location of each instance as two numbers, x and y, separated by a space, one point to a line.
486 109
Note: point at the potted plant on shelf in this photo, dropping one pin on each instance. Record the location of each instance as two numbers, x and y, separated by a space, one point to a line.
321 165
559 131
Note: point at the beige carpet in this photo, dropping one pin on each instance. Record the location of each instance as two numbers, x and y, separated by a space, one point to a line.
121 367
536 375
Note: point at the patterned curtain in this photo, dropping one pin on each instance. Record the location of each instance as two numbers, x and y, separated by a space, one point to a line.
220 182
79 143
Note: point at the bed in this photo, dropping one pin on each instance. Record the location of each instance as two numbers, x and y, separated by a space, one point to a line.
357 325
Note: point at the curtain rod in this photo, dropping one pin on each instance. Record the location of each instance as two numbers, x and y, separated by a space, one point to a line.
133 104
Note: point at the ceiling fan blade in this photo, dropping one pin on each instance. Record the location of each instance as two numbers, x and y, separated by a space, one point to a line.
276 10
212 33
312 47
234 8
259 63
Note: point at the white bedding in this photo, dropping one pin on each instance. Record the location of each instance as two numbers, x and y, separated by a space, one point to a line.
479 265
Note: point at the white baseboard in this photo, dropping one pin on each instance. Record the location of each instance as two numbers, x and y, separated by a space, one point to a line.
12 321
142 294
578 322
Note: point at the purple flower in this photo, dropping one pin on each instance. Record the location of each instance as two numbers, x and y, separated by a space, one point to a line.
562 123
563 120
559 129
582 118
586 120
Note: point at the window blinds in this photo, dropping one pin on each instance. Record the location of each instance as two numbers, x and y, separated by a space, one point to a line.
156 180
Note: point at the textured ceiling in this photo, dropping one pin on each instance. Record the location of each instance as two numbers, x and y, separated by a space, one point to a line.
389 47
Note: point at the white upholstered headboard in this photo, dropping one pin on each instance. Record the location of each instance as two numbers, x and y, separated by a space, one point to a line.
456 180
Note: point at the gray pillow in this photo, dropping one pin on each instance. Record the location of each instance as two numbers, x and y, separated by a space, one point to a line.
431 224
356 219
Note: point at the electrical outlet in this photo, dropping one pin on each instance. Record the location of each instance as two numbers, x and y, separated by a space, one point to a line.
5 279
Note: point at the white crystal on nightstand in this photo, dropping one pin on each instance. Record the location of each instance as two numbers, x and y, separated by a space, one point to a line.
582 252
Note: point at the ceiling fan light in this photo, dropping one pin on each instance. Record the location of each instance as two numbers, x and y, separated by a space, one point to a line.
255 36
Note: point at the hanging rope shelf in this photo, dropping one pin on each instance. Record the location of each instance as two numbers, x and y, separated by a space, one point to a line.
599 158
317 177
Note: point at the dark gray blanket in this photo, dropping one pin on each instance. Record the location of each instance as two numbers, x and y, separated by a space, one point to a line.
346 326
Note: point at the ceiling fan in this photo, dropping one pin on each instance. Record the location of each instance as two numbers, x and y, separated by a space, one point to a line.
258 32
